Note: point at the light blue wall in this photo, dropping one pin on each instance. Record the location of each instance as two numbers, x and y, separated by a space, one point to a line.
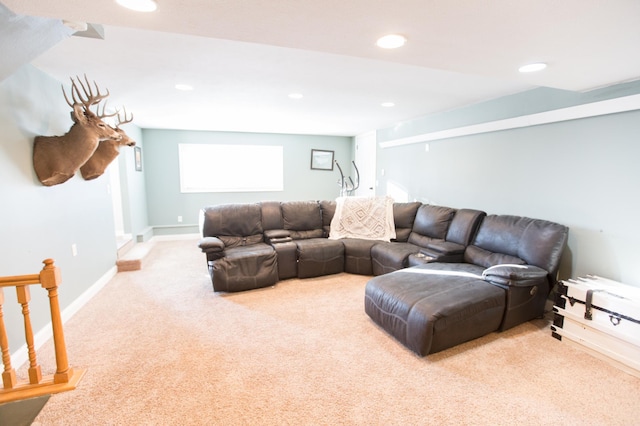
38 222
165 201
530 102
581 173
133 186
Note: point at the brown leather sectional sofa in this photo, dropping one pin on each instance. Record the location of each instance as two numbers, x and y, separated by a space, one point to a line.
449 276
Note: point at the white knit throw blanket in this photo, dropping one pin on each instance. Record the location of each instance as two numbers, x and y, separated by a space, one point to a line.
369 218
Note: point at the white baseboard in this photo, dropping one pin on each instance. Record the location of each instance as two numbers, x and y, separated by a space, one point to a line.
175 237
21 356
145 235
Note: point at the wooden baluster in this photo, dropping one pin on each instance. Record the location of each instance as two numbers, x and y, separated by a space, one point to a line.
9 375
24 296
50 278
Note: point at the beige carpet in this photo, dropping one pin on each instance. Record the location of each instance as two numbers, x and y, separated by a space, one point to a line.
161 348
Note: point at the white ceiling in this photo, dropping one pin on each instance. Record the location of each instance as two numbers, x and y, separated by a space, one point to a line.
245 56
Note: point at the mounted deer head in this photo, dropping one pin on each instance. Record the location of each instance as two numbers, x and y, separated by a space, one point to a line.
107 150
57 158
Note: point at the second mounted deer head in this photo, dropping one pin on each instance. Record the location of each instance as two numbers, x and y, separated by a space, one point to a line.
56 159
107 150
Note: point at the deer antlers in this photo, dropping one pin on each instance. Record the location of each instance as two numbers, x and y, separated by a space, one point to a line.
125 120
90 100
57 158
121 120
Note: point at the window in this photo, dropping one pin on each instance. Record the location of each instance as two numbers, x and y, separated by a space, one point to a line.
230 168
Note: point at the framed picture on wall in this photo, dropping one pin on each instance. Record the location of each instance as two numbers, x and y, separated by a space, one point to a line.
137 155
321 159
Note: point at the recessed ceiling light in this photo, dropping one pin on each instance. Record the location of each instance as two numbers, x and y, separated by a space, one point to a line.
538 66
184 87
388 104
391 41
139 5
295 95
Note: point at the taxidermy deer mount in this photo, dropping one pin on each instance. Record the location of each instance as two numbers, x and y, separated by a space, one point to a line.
56 159
107 150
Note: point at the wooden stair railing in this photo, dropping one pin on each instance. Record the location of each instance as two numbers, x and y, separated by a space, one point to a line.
65 378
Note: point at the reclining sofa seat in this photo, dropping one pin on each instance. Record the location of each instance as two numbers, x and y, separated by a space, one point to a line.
357 251
437 233
504 280
238 259
316 254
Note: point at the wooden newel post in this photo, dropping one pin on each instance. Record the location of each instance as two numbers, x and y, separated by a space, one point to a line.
50 278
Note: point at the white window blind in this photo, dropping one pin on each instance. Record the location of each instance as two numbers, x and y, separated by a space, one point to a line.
231 168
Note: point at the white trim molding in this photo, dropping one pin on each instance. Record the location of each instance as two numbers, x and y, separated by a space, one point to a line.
593 109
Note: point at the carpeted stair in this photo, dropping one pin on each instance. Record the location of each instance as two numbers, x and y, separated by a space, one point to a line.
131 257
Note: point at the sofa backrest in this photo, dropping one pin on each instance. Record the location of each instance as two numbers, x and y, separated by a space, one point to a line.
431 223
518 240
404 214
234 224
328 210
302 219
271 215
464 226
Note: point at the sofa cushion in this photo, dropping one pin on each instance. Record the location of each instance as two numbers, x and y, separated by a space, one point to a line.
357 255
486 259
233 220
543 244
443 251
389 257
403 216
319 256
245 268
500 234
431 221
327 210
303 219
524 240
271 215
464 226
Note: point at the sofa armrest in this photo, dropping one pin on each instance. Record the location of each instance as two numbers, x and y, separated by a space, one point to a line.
444 248
275 236
211 245
442 251
514 275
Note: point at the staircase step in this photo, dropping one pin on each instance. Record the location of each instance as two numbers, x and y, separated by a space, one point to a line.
134 257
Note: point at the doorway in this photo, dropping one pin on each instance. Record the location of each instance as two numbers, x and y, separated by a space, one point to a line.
122 238
366 162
